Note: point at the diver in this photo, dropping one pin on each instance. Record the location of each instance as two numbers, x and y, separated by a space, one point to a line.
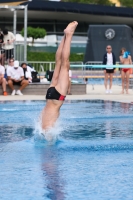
60 81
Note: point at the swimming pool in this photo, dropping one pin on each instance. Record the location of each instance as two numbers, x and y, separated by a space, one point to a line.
91 160
96 81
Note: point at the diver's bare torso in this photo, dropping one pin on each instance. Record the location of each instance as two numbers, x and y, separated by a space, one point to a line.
51 113
125 61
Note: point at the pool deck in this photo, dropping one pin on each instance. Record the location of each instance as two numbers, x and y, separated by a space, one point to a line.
96 92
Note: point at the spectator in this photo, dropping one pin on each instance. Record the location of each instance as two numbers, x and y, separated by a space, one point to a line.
27 72
125 59
10 65
2 51
86 80
8 45
109 59
69 88
31 68
2 79
16 77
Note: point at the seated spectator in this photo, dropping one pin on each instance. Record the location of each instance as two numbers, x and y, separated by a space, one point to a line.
16 77
10 65
31 68
27 72
2 79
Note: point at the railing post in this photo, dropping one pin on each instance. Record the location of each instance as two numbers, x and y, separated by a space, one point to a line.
50 66
14 29
25 33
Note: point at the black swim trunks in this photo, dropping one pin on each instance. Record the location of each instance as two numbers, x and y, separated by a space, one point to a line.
109 71
52 93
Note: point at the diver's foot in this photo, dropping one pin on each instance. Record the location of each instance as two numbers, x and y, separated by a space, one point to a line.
127 92
70 29
122 92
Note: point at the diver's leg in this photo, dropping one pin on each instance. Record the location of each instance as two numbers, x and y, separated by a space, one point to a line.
57 64
127 81
106 81
111 80
63 81
123 81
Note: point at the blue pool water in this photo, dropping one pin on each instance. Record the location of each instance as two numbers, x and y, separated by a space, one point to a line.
100 81
91 160
96 81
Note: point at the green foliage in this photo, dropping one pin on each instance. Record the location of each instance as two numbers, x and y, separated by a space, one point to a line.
76 57
40 56
43 56
35 33
127 3
102 2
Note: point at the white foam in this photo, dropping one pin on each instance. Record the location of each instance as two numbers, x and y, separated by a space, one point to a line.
9 109
50 135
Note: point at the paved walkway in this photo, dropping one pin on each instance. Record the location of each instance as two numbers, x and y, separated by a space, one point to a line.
98 92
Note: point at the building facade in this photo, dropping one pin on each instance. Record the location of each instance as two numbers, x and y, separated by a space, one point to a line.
54 16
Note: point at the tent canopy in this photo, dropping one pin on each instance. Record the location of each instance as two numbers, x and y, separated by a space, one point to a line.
12 2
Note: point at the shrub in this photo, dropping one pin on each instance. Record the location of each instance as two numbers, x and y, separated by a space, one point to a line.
43 56
35 33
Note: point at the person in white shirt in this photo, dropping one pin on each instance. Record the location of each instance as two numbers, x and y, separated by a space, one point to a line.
8 44
2 79
69 88
109 59
27 72
16 77
10 65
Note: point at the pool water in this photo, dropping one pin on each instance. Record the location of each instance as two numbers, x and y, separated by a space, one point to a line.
100 81
96 81
91 160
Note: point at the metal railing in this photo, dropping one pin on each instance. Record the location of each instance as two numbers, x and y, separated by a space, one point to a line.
93 73
44 66
19 51
16 52
95 69
91 70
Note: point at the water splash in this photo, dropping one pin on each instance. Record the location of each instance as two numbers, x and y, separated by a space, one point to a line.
51 135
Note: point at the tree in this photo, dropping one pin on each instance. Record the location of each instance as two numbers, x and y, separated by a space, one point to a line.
128 3
102 2
35 33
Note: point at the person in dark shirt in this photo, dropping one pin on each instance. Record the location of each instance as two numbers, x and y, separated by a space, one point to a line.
27 72
109 60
